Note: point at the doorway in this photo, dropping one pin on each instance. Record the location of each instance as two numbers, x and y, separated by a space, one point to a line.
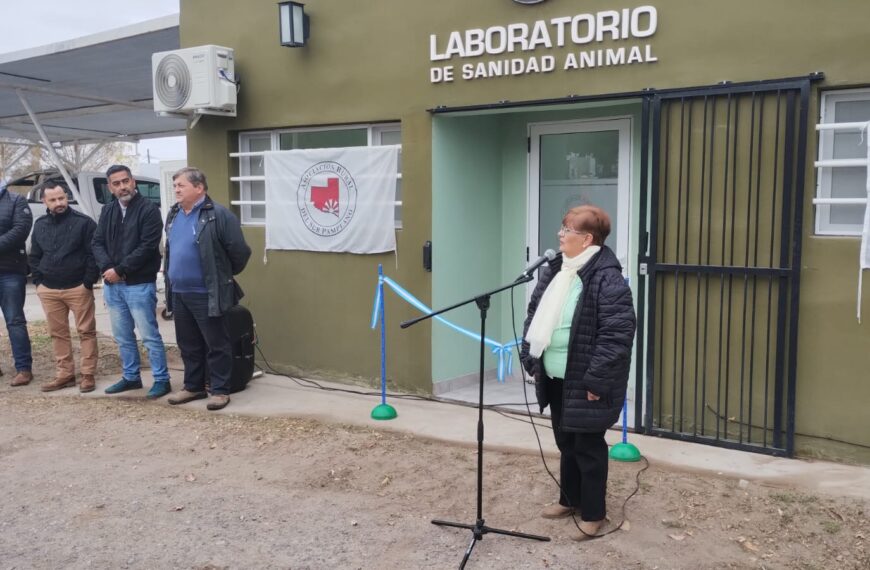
576 163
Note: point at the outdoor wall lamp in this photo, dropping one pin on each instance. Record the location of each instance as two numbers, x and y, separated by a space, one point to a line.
293 24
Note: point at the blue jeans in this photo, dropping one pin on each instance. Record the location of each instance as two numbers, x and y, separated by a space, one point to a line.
12 305
135 306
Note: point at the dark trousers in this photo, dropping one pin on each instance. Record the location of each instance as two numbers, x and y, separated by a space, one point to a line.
583 465
204 342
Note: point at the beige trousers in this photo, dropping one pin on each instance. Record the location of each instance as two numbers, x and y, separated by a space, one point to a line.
57 303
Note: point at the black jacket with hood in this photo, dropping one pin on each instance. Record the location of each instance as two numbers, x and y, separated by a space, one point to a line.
599 345
15 223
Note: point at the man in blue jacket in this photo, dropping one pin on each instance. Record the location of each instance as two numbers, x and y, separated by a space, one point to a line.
64 273
15 223
127 249
204 249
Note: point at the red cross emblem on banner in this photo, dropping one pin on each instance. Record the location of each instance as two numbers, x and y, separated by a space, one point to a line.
325 198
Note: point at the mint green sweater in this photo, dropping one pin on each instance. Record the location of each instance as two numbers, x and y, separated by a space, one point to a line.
556 355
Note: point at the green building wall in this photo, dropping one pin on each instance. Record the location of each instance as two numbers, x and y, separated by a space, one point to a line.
370 63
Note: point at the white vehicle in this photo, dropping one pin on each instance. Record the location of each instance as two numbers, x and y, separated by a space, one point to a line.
93 188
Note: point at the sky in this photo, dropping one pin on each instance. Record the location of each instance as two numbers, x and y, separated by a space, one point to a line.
32 23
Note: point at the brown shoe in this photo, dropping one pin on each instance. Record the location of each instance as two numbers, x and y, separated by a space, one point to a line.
59 384
557 511
185 396
88 384
23 378
217 402
588 530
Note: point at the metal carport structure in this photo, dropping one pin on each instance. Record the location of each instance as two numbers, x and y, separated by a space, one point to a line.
93 89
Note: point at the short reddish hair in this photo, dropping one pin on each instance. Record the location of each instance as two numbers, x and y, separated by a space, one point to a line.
591 219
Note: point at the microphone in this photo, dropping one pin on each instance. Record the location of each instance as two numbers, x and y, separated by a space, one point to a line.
549 255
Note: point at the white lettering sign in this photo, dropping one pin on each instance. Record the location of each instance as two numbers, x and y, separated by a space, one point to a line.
515 39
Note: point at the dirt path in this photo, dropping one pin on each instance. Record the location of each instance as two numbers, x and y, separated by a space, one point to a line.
118 483
100 483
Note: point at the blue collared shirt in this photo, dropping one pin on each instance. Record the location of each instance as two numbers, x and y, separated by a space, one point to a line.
185 267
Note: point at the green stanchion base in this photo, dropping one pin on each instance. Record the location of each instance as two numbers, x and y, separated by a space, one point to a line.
624 452
384 412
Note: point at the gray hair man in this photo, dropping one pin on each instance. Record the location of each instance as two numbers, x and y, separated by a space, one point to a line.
205 248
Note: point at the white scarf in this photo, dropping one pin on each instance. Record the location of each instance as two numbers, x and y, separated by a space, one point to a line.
552 302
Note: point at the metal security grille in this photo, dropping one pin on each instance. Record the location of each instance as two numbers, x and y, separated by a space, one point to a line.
726 174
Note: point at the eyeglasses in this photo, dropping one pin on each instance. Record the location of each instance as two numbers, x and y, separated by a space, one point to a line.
567 230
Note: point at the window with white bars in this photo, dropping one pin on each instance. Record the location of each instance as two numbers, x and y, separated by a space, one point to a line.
841 191
251 179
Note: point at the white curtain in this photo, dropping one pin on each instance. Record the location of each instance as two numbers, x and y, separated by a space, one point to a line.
865 233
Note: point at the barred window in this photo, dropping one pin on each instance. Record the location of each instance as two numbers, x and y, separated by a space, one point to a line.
841 192
252 184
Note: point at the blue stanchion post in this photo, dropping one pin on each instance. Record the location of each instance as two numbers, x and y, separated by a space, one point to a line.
383 411
625 451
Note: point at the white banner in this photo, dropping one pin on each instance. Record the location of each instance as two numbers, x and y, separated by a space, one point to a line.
865 234
332 199
864 260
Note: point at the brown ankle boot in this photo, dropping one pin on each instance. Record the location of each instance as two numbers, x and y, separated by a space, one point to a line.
557 511
23 378
588 530
58 384
88 384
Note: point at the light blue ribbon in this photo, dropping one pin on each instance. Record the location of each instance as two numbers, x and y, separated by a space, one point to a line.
502 352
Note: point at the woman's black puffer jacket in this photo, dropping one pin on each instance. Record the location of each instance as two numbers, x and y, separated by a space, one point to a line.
600 343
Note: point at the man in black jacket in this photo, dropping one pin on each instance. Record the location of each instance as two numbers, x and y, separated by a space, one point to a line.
126 246
204 249
15 223
64 272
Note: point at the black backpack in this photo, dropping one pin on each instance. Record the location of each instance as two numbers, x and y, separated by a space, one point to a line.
240 325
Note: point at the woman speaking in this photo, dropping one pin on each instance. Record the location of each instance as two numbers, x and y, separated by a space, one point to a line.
577 344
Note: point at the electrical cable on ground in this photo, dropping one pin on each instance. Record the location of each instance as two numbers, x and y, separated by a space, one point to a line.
510 414
766 429
308 383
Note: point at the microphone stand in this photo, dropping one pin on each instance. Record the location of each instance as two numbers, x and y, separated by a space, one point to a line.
479 528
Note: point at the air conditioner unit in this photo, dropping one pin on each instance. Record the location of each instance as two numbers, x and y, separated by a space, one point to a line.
194 81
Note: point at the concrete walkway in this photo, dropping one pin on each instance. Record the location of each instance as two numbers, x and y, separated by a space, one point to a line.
279 396
272 395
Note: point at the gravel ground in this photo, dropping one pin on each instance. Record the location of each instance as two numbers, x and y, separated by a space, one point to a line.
127 483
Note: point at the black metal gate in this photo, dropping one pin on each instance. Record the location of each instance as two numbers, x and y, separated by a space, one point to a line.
727 175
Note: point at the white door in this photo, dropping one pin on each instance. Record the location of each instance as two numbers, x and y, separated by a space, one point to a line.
576 163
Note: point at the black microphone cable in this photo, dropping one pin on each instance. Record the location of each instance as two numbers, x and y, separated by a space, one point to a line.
308 383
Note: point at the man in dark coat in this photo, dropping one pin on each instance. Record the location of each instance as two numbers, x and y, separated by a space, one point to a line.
15 223
577 342
127 249
64 272
205 248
